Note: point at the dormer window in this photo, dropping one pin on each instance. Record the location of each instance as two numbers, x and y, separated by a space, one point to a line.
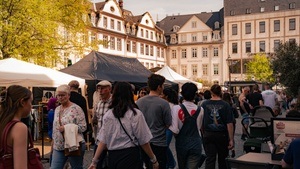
217 25
248 11
127 28
176 28
173 39
133 29
93 19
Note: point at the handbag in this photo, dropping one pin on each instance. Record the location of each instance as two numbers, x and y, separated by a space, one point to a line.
66 150
33 154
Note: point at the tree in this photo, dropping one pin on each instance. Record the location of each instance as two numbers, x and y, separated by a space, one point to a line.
41 30
286 66
260 68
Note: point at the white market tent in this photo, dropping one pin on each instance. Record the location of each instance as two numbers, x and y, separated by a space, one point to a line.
17 72
172 76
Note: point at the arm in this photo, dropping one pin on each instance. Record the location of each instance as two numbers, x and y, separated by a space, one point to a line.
19 134
147 149
230 135
242 101
81 122
285 165
100 148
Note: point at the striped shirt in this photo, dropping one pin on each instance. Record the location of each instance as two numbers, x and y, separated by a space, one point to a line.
100 110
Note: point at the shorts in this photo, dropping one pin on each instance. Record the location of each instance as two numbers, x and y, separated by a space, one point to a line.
246 115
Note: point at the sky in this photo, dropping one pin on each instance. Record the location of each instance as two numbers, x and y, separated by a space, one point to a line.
161 8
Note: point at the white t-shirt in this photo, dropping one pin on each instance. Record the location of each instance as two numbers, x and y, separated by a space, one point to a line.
178 116
269 97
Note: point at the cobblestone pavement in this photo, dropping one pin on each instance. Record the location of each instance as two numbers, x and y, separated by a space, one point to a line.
89 153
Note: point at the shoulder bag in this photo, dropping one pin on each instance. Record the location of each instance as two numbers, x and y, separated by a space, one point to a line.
7 159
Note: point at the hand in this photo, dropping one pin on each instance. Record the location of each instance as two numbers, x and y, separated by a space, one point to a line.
156 165
230 145
61 129
92 166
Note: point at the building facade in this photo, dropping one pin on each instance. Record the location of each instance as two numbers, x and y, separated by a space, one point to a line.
195 45
259 26
124 34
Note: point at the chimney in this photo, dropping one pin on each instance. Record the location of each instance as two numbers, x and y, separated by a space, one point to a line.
121 4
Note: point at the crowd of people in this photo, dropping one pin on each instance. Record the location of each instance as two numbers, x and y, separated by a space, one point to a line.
134 131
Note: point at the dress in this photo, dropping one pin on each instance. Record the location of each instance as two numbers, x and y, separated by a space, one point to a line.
123 153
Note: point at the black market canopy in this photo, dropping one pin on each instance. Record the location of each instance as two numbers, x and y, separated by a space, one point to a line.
102 66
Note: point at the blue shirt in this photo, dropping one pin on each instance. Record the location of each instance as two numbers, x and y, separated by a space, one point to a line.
292 154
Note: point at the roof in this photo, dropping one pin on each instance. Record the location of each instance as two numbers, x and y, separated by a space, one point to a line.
208 18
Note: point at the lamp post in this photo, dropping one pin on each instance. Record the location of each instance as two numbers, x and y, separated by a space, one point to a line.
229 63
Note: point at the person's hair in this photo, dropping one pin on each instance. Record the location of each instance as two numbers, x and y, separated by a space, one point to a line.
172 95
216 90
247 88
10 102
207 95
122 99
63 88
51 103
188 91
155 80
227 98
74 84
255 87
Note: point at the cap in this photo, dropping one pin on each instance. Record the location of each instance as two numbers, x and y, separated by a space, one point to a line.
104 83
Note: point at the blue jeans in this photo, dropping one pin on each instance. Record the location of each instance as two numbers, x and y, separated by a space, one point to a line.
171 163
59 159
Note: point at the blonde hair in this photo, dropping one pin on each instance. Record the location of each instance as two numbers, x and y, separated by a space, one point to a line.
63 88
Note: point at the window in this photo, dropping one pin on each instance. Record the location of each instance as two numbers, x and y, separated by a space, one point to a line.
93 19
151 51
183 53
232 13
105 41
262 46
194 52
292 40
151 35
104 22
248 47
158 52
292 24
276 8
234 47
248 28
112 43
276 25
248 11
142 32
216 51
112 24
205 69
262 9
292 5
119 26
204 52
276 44
183 38
216 69
194 37
234 29
262 27
142 49
133 47
194 24
204 38
119 44
173 54
147 49
162 53
128 46
147 34
195 70
183 70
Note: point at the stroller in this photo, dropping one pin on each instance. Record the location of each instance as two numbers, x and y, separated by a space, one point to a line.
259 129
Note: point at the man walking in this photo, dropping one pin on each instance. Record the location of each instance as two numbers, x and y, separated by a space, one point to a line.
104 87
157 114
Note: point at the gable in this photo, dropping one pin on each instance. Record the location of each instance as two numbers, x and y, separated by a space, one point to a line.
113 8
147 20
200 25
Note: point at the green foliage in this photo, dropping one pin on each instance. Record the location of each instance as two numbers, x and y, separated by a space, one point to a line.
260 68
40 30
286 65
